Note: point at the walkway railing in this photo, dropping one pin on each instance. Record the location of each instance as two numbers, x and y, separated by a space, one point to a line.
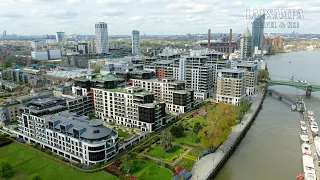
282 95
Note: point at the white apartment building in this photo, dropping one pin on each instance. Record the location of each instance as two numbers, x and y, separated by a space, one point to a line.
246 44
251 76
231 85
101 32
74 137
131 107
170 91
135 42
199 77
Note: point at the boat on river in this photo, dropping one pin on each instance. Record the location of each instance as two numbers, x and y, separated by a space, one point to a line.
304 136
308 167
303 127
317 144
314 127
310 114
306 148
293 107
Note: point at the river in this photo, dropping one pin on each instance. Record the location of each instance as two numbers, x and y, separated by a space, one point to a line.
271 148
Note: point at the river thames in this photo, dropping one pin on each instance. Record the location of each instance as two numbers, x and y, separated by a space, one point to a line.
271 148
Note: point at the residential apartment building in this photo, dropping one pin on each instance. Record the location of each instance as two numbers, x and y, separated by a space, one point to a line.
131 107
21 77
251 76
73 137
135 42
162 68
246 44
9 110
170 91
99 81
199 77
231 85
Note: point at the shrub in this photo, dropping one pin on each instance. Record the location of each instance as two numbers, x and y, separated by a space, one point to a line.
5 169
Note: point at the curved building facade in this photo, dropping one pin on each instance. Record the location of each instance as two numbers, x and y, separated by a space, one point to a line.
101 32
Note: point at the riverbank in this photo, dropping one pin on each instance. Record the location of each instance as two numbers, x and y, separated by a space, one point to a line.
208 166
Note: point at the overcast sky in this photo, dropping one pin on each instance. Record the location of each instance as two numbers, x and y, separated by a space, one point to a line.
35 17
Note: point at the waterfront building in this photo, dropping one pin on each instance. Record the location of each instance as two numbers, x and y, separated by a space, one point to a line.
246 44
132 107
73 137
199 77
257 32
231 85
101 32
251 74
171 91
135 42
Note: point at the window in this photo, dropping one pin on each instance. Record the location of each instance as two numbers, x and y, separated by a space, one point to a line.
96 148
97 156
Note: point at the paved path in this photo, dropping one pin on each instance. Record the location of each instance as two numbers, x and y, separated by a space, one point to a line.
171 164
205 166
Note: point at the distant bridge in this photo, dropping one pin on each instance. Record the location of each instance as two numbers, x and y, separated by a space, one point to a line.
281 96
303 86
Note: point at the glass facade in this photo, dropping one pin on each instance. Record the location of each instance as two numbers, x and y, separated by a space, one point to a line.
257 31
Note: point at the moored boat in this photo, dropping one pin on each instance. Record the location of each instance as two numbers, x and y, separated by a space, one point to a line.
303 127
304 136
314 127
306 148
308 167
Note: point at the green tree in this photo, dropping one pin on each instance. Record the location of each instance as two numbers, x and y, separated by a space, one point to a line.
177 131
197 127
263 75
244 106
7 63
36 177
91 116
166 140
3 86
96 69
5 169
126 164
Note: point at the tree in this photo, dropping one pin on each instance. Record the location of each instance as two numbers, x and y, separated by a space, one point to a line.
244 106
7 63
3 86
197 127
177 131
126 164
5 168
166 140
36 177
91 116
96 69
263 74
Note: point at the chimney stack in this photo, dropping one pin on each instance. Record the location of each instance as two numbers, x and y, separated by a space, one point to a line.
230 40
209 34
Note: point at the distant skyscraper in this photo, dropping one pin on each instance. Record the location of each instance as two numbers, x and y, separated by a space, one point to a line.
60 37
135 42
257 31
4 33
101 31
246 44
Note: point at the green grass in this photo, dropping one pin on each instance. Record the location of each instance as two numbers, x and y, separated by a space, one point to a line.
159 153
123 134
26 162
149 170
190 137
186 163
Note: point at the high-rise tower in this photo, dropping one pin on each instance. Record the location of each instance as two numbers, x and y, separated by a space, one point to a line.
135 42
246 44
257 31
101 31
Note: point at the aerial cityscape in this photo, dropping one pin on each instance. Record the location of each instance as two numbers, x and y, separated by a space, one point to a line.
159 90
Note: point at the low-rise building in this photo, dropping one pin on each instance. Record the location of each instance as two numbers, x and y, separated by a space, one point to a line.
231 85
73 137
9 110
132 107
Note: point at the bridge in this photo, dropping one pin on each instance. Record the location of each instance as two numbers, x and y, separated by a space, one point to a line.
282 96
300 85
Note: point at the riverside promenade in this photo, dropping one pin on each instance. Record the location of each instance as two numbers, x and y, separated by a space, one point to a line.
208 166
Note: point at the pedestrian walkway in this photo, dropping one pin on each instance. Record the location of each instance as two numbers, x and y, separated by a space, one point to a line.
204 167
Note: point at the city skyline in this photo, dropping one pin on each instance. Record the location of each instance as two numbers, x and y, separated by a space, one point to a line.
157 17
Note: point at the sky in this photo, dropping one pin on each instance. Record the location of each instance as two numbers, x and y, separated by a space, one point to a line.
153 17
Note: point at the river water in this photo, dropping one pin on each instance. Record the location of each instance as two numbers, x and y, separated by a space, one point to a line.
271 148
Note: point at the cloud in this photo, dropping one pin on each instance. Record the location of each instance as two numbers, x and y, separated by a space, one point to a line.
148 16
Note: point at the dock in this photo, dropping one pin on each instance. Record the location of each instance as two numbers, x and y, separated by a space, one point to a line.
313 146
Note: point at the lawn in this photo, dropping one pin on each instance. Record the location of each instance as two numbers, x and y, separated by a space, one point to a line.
122 133
159 153
26 162
149 170
189 137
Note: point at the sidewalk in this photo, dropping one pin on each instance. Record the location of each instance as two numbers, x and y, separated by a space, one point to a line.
207 164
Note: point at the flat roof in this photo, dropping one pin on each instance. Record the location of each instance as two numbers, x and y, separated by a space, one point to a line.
230 70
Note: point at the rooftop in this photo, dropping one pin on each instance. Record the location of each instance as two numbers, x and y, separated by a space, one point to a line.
163 62
229 70
93 129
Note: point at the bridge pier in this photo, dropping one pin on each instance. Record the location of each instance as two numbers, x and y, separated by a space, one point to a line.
308 91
